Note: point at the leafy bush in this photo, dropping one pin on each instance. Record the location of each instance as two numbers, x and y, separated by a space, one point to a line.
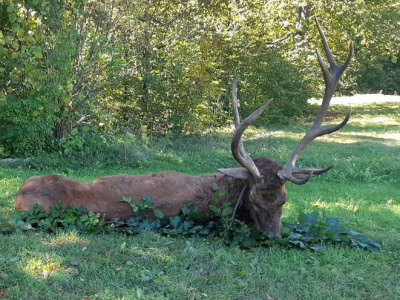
53 84
273 77
380 76
88 150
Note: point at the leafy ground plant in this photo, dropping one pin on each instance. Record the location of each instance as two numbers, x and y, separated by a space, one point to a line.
310 232
59 217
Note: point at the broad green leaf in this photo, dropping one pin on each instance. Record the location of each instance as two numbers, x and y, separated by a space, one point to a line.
227 211
295 236
147 198
175 221
12 17
333 223
135 207
159 213
214 209
126 199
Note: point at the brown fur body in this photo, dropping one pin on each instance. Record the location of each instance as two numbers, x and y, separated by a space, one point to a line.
170 192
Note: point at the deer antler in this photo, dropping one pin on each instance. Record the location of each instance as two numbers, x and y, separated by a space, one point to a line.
316 130
237 145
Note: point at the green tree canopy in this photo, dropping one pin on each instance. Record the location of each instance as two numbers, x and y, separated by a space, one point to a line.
72 67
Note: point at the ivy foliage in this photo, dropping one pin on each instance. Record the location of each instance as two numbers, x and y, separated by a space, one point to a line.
309 232
58 218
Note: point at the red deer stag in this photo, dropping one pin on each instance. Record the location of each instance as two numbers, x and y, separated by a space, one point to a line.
258 183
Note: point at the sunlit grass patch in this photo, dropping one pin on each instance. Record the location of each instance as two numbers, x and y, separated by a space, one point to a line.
148 253
361 99
41 268
68 238
382 120
390 136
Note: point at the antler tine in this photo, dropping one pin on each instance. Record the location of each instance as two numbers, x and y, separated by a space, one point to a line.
236 116
328 52
237 148
308 171
331 80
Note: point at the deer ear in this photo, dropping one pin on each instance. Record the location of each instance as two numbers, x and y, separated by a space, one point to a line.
238 173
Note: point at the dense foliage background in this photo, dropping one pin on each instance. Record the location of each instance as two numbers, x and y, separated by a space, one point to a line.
85 72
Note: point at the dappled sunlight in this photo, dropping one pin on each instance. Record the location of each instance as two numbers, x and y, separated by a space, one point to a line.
291 207
7 182
373 120
170 157
337 137
8 210
267 134
355 207
350 206
390 136
37 267
359 99
68 238
356 137
8 189
151 252
343 137
367 120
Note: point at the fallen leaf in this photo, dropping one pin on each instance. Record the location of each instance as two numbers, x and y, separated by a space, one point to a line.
64 285
269 297
118 269
123 246
45 274
145 277
52 267
14 259
1 293
74 262
86 298
4 275
73 271
129 263
14 251
139 293
107 253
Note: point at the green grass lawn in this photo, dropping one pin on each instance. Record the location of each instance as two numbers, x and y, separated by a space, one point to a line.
363 190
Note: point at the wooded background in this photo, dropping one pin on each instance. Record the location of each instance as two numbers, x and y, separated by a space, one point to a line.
74 73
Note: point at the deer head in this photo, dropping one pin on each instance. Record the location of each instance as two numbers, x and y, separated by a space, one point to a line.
266 179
